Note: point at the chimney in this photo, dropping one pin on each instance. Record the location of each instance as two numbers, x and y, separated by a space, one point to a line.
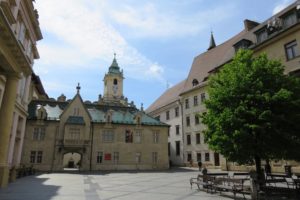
249 25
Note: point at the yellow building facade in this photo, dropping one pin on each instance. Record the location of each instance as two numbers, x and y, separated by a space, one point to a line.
109 134
19 32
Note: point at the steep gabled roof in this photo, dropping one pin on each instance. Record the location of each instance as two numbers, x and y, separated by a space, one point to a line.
212 59
169 96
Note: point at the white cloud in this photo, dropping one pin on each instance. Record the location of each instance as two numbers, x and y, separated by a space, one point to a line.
82 35
148 21
281 5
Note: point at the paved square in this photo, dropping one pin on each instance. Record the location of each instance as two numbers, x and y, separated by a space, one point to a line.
166 185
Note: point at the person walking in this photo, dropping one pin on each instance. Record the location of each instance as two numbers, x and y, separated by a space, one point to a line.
199 165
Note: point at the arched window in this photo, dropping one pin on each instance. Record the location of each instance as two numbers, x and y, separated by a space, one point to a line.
115 81
195 82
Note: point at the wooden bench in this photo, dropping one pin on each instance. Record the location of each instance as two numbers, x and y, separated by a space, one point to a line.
278 180
205 181
239 174
234 185
222 174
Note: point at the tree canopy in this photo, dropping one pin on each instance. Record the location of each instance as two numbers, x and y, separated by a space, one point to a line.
253 110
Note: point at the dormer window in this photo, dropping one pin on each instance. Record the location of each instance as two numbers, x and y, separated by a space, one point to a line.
262 35
242 44
195 82
289 19
109 116
41 113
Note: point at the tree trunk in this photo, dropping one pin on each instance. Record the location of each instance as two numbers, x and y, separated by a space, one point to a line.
258 169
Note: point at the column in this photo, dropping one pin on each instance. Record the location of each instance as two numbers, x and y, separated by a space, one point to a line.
26 92
20 150
12 139
6 118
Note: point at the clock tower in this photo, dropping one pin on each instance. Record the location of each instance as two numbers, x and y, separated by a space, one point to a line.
113 82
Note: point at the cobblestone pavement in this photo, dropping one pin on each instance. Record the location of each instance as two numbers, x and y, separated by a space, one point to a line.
141 185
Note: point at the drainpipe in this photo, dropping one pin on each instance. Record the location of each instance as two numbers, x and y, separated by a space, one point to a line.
92 140
182 130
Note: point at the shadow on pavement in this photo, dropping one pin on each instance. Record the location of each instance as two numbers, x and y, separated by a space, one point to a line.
30 187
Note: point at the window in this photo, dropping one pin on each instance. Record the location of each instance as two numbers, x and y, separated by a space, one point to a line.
188 121
176 111
128 136
138 137
207 157
197 120
22 32
187 104
32 156
167 115
188 139
262 35
39 133
154 157
177 148
199 157
155 137
177 129
138 157
198 138
39 157
115 81
116 157
195 100
202 97
76 112
289 20
99 157
189 156
74 133
291 50
108 136
195 82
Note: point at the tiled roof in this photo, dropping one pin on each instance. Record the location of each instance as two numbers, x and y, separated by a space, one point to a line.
213 58
120 114
167 97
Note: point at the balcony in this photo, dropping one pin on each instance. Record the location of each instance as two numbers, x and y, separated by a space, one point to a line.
72 142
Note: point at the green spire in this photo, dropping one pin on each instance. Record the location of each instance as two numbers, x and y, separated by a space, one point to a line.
114 67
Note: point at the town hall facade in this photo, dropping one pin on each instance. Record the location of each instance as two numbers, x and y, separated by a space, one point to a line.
109 134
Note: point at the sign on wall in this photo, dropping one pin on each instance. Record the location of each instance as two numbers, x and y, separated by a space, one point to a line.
107 156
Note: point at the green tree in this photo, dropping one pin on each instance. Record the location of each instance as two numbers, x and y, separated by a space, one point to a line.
253 111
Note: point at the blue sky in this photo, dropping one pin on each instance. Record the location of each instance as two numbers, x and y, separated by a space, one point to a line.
155 41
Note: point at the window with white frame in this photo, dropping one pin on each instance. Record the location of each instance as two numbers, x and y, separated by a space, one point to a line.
291 50
39 133
138 157
155 136
32 156
176 111
116 157
108 136
74 133
138 136
167 115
